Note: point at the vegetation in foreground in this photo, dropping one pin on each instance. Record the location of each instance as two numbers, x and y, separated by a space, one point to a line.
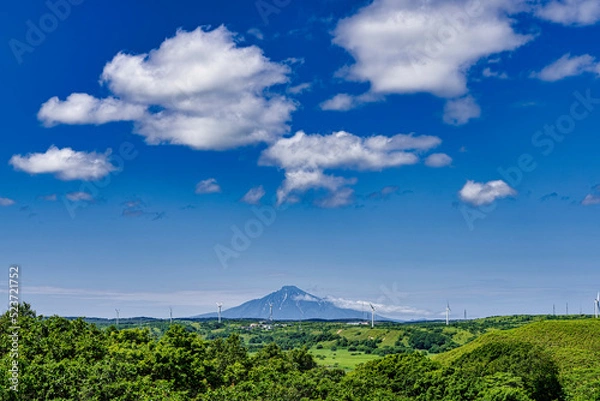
63 359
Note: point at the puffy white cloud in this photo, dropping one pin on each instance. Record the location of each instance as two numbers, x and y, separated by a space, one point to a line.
345 150
460 111
479 194
6 202
591 200
199 89
80 108
66 164
568 66
410 46
208 186
306 157
80 197
437 160
570 12
254 195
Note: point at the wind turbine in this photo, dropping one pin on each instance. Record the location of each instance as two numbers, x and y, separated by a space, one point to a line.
118 311
448 310
372 315
219 306
170 315
597 305
270 311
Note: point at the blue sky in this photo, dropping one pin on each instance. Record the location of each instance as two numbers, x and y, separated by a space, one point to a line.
398 152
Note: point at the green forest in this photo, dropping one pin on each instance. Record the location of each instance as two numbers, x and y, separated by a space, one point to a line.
495 359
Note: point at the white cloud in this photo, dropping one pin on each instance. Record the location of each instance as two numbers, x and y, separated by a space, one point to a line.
80 108
300 88
345 102
379 307
340 102
488 73
80 197
409 46
6 202
591 200
208 186
305 297
194 298
568 66
479 194
254 195
345 150
570 12
257 33
340 198
460 111
211 93
306 157
437 160
66 164
299 181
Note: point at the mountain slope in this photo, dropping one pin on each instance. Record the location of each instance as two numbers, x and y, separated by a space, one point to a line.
290 303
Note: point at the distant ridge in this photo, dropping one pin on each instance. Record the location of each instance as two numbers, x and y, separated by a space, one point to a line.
291 303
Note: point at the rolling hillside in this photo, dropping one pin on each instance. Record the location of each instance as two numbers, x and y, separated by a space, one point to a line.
573 344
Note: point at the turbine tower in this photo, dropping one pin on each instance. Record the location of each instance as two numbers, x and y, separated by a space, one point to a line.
448 310
118 311
170 315
597 306
270 311
372 315
219 306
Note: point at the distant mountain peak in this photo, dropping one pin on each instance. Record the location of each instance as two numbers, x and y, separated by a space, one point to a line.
290 303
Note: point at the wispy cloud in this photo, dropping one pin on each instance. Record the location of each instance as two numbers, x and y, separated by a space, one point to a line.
568 66
379 307
48 198
591 199
6 202
460 111
201 299
79 197
254 195
208 186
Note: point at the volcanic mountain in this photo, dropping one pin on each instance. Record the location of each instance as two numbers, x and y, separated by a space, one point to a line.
291 303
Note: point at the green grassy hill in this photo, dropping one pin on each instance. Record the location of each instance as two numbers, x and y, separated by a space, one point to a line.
573 344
